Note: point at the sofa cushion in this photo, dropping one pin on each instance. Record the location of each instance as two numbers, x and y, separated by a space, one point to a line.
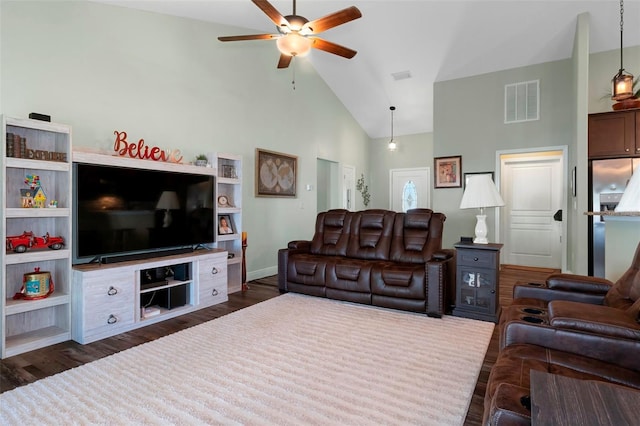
307 269
595 319
332 233
349 274
417 235
403 280
370 236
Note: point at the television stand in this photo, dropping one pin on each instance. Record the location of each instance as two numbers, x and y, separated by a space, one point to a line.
114 298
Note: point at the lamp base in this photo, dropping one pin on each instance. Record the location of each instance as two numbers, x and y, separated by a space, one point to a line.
481 230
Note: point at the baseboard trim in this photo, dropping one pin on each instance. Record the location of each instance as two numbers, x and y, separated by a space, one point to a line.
261 273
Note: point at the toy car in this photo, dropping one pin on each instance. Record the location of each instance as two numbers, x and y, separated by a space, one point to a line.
20 243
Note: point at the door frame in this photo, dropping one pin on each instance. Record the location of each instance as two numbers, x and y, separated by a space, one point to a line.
427 171
564 161
351 189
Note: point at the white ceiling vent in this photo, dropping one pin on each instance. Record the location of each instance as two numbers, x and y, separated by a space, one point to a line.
522 102
402 75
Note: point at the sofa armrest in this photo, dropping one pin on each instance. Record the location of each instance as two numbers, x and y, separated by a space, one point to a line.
622 352
301 245
579 283
440 284
601 320
543 292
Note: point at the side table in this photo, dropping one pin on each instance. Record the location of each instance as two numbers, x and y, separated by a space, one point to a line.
477 281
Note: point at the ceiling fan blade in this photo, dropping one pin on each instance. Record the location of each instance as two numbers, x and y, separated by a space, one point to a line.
333 20
284 61
271 12
331 47
248 37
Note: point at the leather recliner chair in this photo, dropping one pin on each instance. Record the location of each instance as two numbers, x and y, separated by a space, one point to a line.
577 326
611 309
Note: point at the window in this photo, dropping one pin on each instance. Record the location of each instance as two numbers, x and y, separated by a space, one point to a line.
409 196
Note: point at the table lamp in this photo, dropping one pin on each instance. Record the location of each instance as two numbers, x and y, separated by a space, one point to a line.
481 192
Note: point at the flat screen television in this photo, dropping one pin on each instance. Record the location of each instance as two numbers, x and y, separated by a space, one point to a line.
126 213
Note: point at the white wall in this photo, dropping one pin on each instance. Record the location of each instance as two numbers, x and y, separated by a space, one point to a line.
102 68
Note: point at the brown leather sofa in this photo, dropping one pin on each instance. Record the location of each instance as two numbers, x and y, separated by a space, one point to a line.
375 257
578 326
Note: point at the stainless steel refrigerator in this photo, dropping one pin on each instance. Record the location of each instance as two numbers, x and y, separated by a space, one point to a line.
608 179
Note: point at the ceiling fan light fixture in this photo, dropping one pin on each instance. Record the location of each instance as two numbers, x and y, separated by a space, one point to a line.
293 44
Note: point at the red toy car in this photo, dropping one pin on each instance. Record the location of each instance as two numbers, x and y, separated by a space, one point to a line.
20 243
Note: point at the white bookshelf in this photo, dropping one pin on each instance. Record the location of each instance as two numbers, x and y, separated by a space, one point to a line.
31 324
229 205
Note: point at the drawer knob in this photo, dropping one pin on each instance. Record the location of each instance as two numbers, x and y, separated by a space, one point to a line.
475 259
214 270
493 292
112 291
112 319
214 292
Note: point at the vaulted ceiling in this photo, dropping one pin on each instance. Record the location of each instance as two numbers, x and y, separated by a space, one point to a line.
428 40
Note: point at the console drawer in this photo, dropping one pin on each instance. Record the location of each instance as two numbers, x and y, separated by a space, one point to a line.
476 258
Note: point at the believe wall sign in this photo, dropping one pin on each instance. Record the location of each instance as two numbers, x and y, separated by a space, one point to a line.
143 152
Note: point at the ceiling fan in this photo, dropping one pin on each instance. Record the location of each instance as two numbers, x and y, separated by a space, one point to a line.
297 35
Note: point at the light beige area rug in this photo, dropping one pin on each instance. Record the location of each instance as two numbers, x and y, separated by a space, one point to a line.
291 360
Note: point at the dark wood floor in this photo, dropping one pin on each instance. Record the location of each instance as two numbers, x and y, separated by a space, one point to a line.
26 368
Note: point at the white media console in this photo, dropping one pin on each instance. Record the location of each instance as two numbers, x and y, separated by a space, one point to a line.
108 299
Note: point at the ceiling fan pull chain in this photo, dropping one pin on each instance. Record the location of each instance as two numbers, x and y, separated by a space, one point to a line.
293 71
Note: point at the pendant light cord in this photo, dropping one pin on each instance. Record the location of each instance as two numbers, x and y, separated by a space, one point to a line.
621 31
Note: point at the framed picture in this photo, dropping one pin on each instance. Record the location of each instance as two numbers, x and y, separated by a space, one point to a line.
276 174
448 172
468 175
225 225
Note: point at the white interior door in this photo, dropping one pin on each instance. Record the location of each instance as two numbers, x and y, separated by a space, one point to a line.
532 188
409 189
348 187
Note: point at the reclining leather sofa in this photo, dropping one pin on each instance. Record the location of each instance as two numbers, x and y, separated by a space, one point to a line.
375 257
578 326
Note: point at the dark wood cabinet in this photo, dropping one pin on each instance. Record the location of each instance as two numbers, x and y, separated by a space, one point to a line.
614 134
477 285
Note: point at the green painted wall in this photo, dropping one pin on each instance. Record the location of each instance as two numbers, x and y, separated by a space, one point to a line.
169 81
412 151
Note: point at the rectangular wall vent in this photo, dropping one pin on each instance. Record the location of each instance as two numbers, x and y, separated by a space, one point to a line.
522 101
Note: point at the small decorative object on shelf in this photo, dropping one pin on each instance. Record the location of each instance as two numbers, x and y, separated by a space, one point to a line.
34 197
225 201
201 160
229 171
20 243
35 285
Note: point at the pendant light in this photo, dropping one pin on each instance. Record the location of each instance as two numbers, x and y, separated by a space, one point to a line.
622 83
392 144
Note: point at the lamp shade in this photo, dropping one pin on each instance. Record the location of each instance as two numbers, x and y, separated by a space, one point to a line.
622 86
630 200
293 44
168 201
481 192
